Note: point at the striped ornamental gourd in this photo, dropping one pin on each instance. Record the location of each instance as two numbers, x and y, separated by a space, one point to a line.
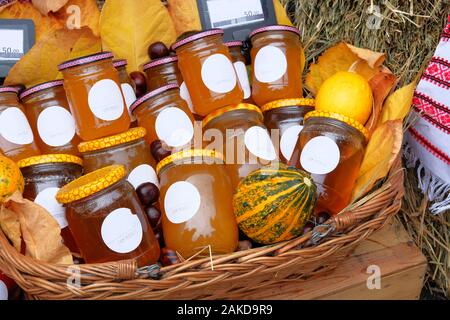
273 204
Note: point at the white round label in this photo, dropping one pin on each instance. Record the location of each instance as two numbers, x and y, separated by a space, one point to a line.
47 200
320 155
218 73
289 140
130 97
185 95
105 100
14 126
182 202
270 64
257 141
174 127
142 174
56 126
3 291
242 74
122 231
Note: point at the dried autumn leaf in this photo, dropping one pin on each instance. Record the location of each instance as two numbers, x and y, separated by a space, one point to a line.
46 6
80 13
142 22
382 149
24 10
40 64
10 225
398 104
374 59
282 17
40 231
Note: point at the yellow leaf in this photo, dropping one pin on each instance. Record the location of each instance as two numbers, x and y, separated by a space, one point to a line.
398 104
40 64
46 6
382 149
80 13
282 17
24 10
129 29
374 59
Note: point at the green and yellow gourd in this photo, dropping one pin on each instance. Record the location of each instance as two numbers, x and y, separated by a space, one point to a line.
273 204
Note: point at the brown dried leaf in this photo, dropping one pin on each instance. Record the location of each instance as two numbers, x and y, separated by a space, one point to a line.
373 59
46 6
384 146
10 225
40 64
80 13
40 231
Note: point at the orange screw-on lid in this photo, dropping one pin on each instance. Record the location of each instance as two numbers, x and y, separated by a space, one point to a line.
112 141
49 158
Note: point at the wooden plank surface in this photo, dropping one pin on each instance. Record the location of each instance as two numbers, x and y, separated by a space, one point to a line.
402 267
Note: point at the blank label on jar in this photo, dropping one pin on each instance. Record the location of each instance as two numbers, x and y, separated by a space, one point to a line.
3 291
185 95
122 231
142 174
270 64
174 127
241 71
320 155
130 97
47 200
106 100
289 140
14 126
218 74
258 142
56 126
182 202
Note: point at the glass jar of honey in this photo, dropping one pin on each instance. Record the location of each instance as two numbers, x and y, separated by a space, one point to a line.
165 116
207 69
240 134
107 220
50 118
16 136
277 64
127 86
95 97
240 64
44 176
128 149
331 147
196 200
287 116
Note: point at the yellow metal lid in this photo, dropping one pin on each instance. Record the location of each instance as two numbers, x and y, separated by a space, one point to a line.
240 106
49 158
90 184
337 116
301 102
191 153
112 141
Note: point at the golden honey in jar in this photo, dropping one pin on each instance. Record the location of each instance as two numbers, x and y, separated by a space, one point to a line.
16 136
127 86
107 219
164 71
207 68
240 134
128 149
44 176
196 200
239 62
50 118
95 97
331 147
166 117
287 117
277 64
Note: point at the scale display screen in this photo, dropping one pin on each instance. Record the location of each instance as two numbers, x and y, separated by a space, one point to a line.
11 44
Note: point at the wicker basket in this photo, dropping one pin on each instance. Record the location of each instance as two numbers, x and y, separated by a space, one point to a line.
232 276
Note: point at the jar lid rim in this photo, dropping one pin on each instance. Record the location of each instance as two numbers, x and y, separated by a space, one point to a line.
90 184
117 63
296 102
241 106
41 87
9 89
234 44
278 27
158 62
111 141
85 60
152 94
190 153
197 36
49 158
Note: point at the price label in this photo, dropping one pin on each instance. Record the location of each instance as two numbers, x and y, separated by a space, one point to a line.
231 13
11 44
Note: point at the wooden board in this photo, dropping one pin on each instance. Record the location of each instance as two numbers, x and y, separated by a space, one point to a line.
401 264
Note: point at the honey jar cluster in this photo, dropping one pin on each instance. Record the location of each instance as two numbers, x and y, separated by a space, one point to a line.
129 176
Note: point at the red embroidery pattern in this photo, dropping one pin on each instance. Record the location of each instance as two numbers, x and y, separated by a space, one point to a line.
433 109
438 72
429 146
